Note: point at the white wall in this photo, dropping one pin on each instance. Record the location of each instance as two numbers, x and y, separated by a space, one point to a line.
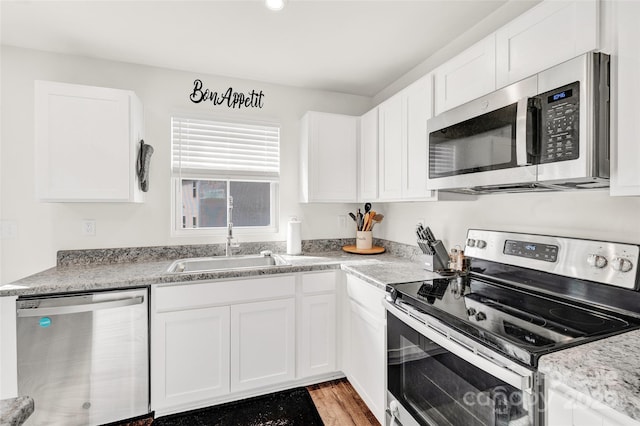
44 228
593 215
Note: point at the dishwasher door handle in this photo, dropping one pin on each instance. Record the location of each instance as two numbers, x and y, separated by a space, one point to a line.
85 307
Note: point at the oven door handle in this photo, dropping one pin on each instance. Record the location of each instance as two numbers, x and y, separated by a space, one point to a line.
502 372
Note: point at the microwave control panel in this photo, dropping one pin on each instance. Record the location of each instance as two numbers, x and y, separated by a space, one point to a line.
559 126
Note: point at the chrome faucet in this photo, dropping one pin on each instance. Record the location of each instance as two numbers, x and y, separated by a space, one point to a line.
230 244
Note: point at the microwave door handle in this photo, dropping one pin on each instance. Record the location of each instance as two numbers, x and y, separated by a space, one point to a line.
521 132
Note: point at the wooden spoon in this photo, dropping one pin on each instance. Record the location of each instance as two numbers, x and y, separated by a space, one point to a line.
377 219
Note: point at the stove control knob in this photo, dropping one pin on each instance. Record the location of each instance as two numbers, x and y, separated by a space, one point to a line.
480 316
597 261
471 312
621 264
471 242
481 244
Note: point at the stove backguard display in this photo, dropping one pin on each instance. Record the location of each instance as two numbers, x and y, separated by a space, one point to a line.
546 252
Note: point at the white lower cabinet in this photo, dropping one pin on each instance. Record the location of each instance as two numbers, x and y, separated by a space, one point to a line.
567 407
365 364
317 343
218 341
191 351
211 339
262 343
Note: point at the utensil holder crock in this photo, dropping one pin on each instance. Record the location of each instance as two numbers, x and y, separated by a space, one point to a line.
364 240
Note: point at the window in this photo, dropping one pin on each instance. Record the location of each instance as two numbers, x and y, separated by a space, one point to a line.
224 172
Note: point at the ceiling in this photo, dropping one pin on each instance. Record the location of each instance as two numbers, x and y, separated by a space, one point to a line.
348 46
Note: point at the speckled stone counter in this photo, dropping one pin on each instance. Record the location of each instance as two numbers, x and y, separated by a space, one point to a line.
607 370
75 276
14 411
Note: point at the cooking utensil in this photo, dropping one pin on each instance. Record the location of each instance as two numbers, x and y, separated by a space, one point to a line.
365 221
353 216
377 219
367 207
368 220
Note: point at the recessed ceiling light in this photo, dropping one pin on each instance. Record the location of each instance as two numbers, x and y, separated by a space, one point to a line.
275 4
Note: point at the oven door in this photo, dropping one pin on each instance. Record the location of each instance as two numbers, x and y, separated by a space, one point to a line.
435 379
485 142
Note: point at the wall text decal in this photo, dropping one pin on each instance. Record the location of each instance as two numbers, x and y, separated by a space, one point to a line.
233 99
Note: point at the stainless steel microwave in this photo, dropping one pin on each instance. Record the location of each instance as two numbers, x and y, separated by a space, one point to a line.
547 132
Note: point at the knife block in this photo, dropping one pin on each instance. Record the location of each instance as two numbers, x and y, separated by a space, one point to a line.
432 263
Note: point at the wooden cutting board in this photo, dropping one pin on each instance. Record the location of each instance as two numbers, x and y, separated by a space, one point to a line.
353 249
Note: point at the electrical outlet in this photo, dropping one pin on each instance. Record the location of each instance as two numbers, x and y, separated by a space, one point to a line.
8 230
89 227
342 220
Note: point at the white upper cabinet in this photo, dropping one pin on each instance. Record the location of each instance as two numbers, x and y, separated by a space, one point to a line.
548 34
625 66
467 76
390 149
368 165
86 143
403 143
418 107
328 157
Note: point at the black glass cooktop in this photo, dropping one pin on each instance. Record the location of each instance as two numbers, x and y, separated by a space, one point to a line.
519 323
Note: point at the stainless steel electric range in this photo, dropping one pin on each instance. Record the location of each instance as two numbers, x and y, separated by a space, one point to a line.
464 351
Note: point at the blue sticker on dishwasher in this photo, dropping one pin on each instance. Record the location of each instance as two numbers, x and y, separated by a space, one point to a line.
45 322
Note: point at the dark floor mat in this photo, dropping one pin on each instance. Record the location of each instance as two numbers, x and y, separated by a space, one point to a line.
293 407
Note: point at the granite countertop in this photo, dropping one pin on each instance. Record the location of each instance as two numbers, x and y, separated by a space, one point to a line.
378 270
606 370
14 411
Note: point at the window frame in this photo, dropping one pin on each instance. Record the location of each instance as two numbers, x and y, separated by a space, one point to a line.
176 189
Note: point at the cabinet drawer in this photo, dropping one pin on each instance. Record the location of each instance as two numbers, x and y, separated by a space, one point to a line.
319 282
366 295
197 295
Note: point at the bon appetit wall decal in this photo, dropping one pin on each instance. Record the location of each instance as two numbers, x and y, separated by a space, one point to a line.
231 98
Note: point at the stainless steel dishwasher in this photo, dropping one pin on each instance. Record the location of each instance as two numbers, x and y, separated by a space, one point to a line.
84 358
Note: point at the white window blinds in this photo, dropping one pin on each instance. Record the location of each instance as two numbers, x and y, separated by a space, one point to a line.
215 148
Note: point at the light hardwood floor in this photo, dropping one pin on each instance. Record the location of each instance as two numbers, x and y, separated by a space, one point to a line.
340 405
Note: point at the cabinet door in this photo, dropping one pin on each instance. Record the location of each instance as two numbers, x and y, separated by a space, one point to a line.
367 365
329 157
86 143
317 354
559 409
262 343
467 76
190 356
390 149
418 107
625 147
546 35
368 165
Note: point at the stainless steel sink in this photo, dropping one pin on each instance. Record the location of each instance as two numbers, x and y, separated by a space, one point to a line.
220 263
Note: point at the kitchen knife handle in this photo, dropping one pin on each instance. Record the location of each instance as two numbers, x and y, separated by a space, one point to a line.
430 235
